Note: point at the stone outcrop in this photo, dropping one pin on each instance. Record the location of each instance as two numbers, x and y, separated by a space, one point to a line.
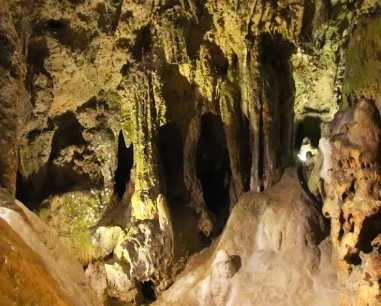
273 251
351 173
35 267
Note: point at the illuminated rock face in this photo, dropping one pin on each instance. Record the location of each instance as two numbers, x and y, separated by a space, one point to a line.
274 251
352 201
36 269
133 128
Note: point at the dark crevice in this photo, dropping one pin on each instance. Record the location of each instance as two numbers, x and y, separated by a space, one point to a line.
307 20
167 5
125 163
148 291
124 71
37 53
371 228
250 37
261 151
246 152
234 64
341 221
56 25
344 196
213 167
143 43
218 62
69 132
172 162
353 259
116 17
24 189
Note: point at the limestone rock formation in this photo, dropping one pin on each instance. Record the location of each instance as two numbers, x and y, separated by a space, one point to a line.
134 127
273 251
35 268
352 185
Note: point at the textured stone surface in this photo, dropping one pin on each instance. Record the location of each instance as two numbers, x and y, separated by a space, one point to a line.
352 185
272 252
363 66
35 267
13 98
152 118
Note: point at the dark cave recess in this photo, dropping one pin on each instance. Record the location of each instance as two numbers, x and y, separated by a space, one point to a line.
213 167
125 164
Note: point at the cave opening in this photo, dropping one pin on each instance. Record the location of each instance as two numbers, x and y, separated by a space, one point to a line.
213 167
308 127
148 291
125 162
172 162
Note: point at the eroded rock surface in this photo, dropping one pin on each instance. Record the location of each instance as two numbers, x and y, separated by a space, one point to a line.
132 128
352 185
273 251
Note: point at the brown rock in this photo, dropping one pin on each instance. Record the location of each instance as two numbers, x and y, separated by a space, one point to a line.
352 185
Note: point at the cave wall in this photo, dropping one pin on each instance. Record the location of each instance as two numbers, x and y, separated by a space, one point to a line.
351 173
76 75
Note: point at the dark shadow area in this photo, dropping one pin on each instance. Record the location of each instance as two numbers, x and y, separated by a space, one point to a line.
179 96
308 127
236 261
195 34
24 189
64 170
371 228
61 29
218 63
62 175
37 53
172 160
148 291
307 20
277 109
213 167
143 43
184 219
125 163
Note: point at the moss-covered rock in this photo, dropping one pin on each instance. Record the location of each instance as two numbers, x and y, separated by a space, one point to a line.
72 215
